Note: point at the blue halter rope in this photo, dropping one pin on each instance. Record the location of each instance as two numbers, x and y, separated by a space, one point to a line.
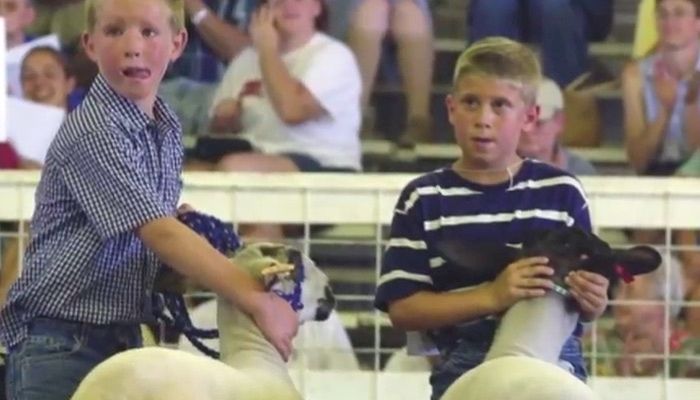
224 239
293 296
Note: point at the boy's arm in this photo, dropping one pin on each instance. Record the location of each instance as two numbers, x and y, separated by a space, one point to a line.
191 255
591 293
429 310
9 270
590 290
525 278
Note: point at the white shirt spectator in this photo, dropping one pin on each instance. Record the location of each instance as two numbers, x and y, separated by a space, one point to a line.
329 71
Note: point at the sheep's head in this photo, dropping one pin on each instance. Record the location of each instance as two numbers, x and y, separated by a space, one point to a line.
571 249
292 275
568 249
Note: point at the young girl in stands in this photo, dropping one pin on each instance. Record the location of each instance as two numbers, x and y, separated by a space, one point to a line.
45 77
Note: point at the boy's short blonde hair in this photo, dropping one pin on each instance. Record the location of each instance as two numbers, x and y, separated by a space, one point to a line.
504 59
177 7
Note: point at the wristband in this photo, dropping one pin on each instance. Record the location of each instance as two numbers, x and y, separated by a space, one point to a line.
199 16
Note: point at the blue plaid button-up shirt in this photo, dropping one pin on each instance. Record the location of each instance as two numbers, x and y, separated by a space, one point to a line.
109 170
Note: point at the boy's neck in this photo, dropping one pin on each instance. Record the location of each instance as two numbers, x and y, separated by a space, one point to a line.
487 175
147 106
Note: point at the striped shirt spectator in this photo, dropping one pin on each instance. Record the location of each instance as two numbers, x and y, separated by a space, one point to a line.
110 169
441 204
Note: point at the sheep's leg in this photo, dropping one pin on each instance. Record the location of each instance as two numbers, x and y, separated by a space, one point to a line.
536 327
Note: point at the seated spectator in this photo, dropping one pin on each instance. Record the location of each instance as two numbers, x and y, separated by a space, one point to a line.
294 95
326 345
293 98
561 28
543 143
216 35
662 123
409 24
45 77
661 104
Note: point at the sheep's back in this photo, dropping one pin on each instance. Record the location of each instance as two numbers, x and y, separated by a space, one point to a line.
518 377
161 373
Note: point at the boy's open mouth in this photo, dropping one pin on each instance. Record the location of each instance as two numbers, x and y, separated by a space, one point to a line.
136 72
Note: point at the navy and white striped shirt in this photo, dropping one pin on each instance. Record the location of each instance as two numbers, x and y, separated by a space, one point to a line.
441 204
110 169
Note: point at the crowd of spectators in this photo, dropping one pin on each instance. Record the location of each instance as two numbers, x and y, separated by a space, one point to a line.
286 86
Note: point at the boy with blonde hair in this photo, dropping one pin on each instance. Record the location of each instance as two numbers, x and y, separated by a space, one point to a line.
489 195
105 216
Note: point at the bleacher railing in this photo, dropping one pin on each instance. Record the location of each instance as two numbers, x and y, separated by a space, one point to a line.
308 199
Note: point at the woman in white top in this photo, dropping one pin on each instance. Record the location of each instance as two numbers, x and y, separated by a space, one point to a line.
294 95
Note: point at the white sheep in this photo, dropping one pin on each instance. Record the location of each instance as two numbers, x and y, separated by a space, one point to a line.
522 362
250 368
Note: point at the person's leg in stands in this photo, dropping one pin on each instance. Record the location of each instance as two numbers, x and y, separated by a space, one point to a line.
412 29
369 24
494 18
559 27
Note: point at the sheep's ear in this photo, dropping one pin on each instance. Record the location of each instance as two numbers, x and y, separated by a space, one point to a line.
482 261
294 258
638 260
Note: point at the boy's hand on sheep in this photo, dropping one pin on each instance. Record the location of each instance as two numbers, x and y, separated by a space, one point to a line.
276 320
590 291
524 278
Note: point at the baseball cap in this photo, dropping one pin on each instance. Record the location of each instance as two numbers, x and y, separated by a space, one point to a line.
549 98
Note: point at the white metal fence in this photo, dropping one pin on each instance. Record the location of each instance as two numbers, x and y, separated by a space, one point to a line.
360 208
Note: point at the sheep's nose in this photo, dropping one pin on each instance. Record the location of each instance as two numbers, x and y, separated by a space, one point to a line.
325 305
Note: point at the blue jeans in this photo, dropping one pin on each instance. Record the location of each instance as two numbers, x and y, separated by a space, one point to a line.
50 363
467 355
563 29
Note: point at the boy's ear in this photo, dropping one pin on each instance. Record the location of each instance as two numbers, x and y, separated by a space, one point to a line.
86 41
532 114
450 105
179 43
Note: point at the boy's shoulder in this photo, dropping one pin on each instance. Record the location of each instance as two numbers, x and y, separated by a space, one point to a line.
551 182
89 116
543 170
439 177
